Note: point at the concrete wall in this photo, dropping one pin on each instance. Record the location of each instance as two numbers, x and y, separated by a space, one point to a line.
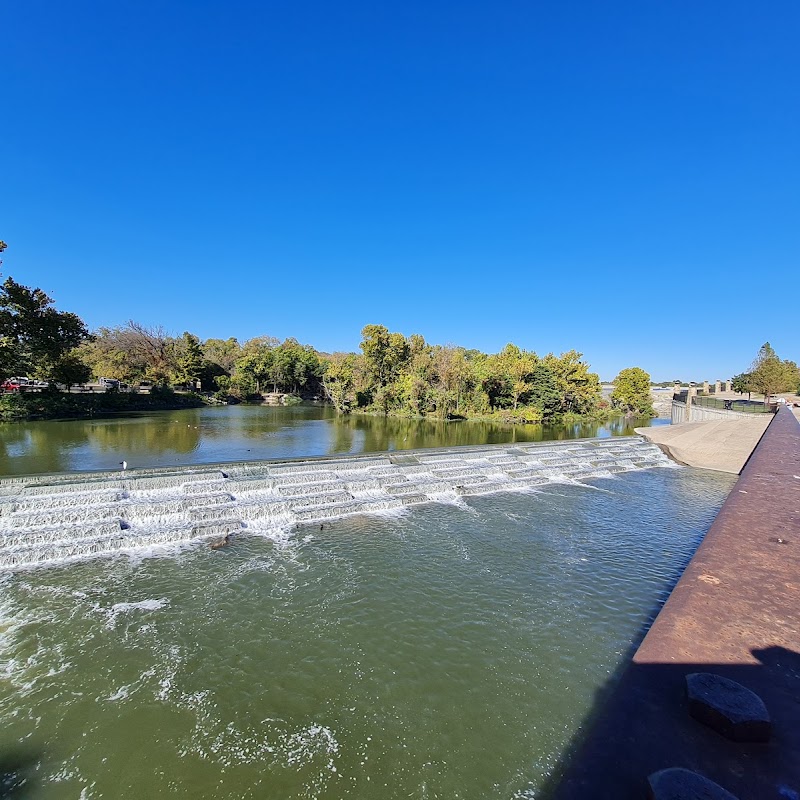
703 414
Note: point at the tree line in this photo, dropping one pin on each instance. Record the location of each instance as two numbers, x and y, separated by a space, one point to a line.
392 373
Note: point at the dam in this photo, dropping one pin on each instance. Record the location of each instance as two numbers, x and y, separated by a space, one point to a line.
48 518
416 623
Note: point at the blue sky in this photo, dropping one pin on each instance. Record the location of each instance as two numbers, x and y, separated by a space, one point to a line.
619 178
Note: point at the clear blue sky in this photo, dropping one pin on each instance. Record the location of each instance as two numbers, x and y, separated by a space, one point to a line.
616 177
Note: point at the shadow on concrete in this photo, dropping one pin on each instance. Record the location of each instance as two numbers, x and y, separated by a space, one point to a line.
732 613
18 773
640 724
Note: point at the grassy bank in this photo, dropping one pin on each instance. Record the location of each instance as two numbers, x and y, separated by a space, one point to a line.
54 405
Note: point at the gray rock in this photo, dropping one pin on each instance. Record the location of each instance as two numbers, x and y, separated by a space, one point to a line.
683 784
727 707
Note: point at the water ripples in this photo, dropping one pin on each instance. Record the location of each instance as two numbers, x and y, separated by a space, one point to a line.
450 652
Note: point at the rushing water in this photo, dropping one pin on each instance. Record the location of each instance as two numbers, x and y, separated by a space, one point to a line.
236 433
446 651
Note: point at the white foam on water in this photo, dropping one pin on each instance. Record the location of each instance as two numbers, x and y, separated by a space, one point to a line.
448 498
123 693
126 608
389 513
143 605
159 514
301 747
282 536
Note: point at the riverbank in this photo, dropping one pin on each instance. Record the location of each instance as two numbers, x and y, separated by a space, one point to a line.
33 406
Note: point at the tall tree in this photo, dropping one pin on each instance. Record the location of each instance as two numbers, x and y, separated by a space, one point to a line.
769 375
133 352
545 393
580 388
339 381
385 354
188 360
34 336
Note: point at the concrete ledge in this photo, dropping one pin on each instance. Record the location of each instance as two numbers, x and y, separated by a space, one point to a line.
723 445
734 613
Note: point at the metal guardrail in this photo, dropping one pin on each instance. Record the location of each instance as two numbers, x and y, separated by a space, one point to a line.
746 406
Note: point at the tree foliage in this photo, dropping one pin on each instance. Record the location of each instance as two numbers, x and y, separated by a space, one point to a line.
742 383
34 336
632 392
769 375
133 353
393 374
189 361
399 375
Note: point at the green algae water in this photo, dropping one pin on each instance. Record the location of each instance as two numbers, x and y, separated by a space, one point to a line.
451 650
243 433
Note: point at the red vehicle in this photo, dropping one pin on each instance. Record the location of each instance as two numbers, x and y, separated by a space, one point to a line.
14 384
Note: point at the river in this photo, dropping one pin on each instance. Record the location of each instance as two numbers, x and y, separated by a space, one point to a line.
243 433
448 650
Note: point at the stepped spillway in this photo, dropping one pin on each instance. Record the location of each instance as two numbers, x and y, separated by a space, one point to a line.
49 518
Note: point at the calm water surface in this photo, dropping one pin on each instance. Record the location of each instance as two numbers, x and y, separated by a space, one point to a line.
451 652
240 433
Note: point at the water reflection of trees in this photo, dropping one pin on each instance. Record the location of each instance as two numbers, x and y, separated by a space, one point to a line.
375 433
61 446
37 447
279 432
146 437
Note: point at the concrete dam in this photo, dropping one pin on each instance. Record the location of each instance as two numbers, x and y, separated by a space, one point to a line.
49 518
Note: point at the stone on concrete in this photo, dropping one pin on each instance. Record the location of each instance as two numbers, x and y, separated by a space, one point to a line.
727 707
683 784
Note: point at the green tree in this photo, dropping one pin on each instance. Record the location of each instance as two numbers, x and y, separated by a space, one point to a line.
339 381
70 370
255 367
632 392
34 336
741 383
222 352
454 377
106 355
580 388
385 354
769 375
545 392
188 360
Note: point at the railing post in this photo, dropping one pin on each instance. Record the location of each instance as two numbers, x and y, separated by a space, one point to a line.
690 396
717 387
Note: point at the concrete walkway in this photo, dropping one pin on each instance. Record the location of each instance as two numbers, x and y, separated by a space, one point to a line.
724 446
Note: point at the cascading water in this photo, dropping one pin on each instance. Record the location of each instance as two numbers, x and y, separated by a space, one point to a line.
50 518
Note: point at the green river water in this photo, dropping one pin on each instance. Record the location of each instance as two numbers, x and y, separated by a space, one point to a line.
451 650
244 433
